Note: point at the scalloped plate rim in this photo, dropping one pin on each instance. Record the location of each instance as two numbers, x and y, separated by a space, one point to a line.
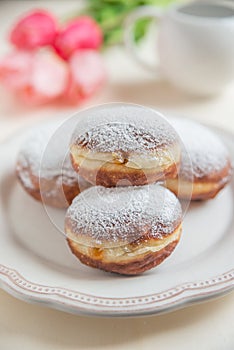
62 304
224 283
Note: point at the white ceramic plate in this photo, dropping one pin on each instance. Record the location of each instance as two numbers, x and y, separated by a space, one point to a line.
37 266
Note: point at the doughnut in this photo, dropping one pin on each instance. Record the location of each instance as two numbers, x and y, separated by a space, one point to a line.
210 165
121 144
126 230
48 176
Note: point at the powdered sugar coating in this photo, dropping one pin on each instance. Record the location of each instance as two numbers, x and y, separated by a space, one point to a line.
122 215
45 154
123 127
206 151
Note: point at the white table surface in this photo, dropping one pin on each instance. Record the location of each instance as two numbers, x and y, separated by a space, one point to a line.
207 326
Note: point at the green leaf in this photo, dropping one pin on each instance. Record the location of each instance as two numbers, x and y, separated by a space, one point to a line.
111 14
140 29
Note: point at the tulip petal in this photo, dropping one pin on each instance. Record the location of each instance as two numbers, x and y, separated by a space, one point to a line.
36 29
88 71
83 33
15 69
49 75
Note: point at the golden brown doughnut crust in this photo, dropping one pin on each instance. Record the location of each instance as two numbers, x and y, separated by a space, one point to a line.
43 165
205 162
206 187
124 144
124 229
110 175
41 189
136 266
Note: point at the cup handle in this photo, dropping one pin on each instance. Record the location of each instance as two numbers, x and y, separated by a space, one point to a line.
139 13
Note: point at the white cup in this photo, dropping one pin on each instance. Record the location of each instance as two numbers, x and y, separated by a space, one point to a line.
195 44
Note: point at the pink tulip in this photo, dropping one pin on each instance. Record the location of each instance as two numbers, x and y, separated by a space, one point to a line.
87 75
36 29
82 33
72 94
36 77
15 69
49 75
49 79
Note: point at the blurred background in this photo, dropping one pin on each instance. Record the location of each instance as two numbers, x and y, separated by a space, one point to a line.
57 57
51 77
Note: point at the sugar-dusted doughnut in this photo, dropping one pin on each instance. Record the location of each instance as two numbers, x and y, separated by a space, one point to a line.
207 163
47 175
126 230
123 144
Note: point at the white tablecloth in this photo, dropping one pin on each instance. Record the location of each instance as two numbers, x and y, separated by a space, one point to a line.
207 326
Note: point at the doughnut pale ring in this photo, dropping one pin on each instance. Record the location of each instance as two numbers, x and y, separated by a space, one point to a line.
126 230
210 168
124 145
49 179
